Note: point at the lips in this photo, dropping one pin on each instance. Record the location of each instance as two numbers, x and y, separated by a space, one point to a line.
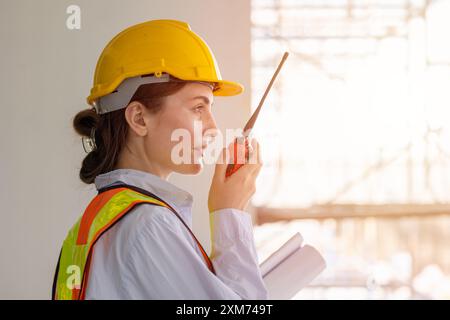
199 151
202 148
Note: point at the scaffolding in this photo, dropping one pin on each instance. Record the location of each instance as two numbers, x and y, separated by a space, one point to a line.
327 37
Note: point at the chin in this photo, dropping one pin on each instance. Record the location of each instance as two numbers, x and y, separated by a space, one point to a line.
196 168
191 169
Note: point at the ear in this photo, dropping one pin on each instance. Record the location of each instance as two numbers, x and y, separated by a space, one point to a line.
135 115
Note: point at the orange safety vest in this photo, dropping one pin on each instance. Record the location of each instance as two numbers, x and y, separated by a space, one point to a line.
104 211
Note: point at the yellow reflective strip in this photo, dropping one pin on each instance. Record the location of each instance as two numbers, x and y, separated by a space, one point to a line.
76 255
69 257
118 203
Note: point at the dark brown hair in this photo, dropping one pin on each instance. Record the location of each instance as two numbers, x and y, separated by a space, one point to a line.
111 128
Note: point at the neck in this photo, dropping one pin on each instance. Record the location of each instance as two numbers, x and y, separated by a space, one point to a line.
129 161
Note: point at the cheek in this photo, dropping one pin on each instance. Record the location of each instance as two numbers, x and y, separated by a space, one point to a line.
180 126
189 125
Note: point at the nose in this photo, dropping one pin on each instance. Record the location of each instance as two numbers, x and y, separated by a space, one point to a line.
210 125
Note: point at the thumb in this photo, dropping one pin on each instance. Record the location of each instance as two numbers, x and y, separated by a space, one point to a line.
221 164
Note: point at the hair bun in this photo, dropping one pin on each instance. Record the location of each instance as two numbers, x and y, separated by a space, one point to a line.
85 121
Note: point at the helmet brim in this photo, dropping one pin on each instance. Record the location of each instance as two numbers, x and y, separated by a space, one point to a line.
228 88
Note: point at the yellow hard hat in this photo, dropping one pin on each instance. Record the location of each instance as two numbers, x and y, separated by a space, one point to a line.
157 48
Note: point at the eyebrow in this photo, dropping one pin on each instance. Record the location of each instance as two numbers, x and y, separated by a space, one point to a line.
204 98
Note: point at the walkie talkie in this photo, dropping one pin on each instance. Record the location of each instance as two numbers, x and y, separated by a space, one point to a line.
233 167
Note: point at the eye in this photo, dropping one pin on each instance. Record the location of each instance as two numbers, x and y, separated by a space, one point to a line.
199 108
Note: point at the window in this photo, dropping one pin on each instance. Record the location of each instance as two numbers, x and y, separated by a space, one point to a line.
355 136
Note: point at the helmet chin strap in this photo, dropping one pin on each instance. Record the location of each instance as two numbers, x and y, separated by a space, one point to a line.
119 98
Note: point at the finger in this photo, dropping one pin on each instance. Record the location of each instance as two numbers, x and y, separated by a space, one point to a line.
238 155
221 165
251 167
222 162
254 156
256 159
243 172
260 161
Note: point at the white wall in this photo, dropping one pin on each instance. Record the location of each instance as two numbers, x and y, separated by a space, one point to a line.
46 73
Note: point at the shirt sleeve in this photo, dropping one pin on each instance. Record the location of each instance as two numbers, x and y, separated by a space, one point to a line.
163 263
234 254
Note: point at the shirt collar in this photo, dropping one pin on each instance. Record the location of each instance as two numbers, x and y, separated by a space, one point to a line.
178 198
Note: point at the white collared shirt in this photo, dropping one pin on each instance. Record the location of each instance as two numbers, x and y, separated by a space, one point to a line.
149 254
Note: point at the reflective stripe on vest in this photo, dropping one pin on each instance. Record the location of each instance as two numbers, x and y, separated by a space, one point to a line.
107 208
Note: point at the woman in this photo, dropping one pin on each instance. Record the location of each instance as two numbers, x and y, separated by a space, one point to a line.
134 241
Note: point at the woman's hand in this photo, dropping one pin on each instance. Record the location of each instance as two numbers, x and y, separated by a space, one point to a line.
236 190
